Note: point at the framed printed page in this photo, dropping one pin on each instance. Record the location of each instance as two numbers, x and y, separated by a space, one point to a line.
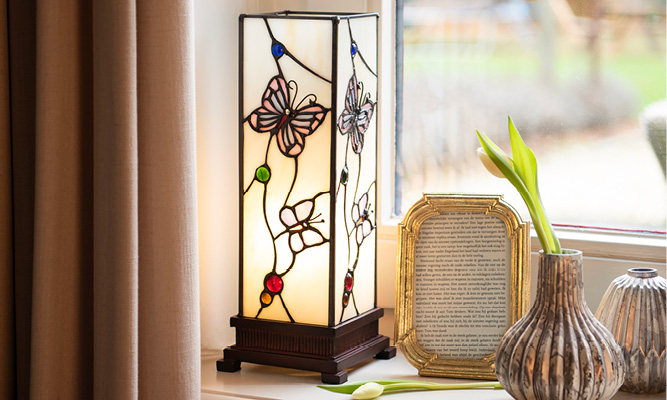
463 280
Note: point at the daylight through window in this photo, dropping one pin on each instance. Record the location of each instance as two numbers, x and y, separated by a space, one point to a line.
583 80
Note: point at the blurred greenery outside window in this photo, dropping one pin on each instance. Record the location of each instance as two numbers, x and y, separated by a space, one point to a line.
584 82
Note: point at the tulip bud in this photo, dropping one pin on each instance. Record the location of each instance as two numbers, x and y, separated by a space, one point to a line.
488 163
368 390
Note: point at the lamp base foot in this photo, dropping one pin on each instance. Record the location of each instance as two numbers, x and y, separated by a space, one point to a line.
329 350
386 354
334 379
226 365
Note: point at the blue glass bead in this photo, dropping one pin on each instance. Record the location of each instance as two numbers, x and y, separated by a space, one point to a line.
353 48
277 50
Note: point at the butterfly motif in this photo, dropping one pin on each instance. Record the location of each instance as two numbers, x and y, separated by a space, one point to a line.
361 218
357 114
298 220
279 116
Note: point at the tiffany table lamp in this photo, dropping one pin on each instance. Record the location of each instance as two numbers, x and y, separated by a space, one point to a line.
307 193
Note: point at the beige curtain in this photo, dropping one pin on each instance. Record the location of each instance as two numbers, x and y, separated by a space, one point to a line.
98 238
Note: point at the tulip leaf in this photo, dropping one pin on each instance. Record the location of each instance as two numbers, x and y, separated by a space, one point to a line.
525 165
502 161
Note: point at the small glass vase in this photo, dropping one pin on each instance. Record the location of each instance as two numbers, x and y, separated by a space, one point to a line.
633 308
558 350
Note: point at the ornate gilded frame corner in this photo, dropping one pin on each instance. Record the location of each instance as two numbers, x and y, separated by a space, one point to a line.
405 335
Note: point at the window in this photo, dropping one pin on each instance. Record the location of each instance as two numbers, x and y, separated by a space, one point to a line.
466 65
585 86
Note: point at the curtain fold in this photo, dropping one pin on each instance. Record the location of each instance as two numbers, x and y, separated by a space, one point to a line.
99 289
21 42
7 355
61 332
116 198
167 199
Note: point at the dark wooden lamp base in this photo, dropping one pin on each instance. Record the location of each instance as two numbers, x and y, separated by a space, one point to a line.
329 350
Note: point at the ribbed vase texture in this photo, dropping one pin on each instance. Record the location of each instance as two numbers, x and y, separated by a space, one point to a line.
558 350
633 308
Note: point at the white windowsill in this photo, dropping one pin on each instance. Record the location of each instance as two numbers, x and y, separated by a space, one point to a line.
265 382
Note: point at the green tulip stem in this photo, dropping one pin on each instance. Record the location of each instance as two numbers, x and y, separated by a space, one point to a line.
440 386
372 389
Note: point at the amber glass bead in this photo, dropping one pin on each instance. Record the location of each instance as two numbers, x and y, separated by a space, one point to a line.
265 298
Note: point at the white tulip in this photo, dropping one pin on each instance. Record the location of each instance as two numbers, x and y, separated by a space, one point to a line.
488 163
368 390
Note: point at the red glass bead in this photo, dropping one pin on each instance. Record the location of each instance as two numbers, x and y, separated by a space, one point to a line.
349 281
274 283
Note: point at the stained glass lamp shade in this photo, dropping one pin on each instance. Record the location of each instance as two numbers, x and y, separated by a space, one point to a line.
307 148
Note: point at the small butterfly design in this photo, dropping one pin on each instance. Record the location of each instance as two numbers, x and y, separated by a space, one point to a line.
357 114
278 115
361 218
298 220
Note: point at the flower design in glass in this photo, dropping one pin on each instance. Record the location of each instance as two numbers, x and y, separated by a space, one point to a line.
363 226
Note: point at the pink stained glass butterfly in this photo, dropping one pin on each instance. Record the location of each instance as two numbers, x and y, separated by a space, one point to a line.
361 218
357 114
298 219
278 115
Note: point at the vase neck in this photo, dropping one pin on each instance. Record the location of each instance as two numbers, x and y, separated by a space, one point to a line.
560 278
643 273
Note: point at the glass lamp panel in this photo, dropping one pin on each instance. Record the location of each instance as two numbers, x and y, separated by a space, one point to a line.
286 101
356 147
308 40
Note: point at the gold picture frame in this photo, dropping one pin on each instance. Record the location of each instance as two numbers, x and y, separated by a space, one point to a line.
459 233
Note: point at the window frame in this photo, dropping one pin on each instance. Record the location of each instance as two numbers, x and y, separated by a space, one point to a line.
628 247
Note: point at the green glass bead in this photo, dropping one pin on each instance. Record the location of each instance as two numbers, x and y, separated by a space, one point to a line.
344 175
263 174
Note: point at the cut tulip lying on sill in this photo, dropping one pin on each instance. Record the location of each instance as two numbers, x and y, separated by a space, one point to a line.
362 390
